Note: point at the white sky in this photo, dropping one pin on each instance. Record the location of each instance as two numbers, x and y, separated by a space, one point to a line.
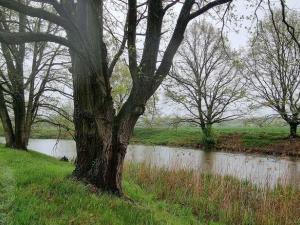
240 39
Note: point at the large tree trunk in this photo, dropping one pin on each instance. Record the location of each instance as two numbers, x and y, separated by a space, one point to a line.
93 128
96 134
293 130
19 113
15 137
19 92
101 136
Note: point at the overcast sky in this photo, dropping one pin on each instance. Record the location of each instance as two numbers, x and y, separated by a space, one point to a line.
240 39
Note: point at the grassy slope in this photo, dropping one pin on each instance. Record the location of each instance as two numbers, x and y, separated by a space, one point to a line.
35 190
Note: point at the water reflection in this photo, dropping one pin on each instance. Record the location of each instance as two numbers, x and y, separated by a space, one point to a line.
261 170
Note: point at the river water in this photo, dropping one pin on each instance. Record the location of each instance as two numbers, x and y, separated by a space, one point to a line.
265 171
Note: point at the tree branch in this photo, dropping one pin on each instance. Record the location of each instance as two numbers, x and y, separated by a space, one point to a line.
26 37
207 7
35 12
290 28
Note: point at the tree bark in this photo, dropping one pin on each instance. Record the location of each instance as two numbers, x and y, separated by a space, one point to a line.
16 136
101 136
208 138
293 130
124 124
6 122
19 114
96 135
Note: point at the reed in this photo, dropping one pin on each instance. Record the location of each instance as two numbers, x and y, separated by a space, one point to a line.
212 198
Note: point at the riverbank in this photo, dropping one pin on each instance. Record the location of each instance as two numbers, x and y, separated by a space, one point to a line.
267 140
35 189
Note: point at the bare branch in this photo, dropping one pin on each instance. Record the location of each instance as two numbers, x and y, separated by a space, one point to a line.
35 12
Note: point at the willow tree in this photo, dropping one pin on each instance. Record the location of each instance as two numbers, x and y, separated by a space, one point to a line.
101 135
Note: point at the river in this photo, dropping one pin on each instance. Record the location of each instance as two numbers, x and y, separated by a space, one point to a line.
262 170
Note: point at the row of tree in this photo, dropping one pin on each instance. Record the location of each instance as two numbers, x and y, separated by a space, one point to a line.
102 126
212 82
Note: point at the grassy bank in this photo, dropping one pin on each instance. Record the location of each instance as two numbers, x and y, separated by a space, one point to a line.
250 137
268 140
35 189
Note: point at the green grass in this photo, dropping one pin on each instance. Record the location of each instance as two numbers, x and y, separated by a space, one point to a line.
184 136
257 137
45 132
35 190
251 137
49 133
165 136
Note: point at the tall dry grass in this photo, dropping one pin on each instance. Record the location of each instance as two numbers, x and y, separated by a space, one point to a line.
224 200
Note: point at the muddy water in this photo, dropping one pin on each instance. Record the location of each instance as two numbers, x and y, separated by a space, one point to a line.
261 170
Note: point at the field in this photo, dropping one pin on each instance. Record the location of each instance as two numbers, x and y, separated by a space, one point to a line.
251 137
37 190
268 140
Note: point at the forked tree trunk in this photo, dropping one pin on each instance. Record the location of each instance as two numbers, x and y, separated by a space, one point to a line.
101 140
6 122
293 130
17 136
93 121
8 134
101 136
